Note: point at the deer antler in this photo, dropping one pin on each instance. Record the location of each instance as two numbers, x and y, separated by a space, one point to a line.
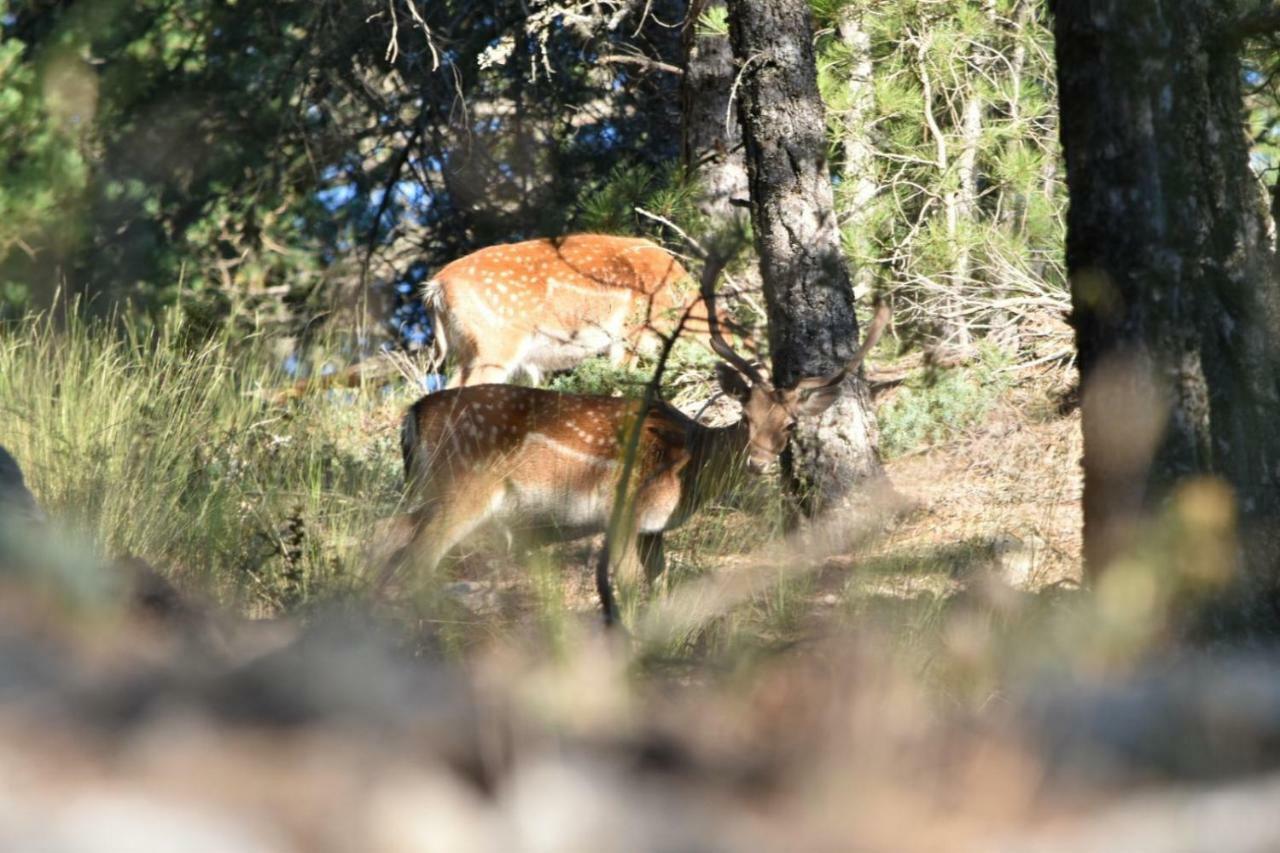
716 261
874 331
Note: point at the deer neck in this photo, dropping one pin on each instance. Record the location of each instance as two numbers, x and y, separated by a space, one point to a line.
719 458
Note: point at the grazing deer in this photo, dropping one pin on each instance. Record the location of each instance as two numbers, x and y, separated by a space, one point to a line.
549 304
549 463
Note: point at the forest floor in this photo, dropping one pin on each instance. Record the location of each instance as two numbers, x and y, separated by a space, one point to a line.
1005 494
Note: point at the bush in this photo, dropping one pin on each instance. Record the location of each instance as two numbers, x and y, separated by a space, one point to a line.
940 403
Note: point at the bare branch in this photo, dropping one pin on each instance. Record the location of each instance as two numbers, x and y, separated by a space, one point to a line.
393 43
642 62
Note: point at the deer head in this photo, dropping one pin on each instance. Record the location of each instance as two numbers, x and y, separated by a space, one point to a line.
771 413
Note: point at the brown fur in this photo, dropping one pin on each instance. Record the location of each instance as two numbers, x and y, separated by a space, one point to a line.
552 462
544 305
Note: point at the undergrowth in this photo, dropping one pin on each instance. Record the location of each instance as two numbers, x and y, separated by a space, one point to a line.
149 440
144 441
939 404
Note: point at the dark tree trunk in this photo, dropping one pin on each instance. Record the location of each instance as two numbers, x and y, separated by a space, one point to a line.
711 146
807 291
1172 284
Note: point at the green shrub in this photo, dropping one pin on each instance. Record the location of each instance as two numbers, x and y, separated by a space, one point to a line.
940 403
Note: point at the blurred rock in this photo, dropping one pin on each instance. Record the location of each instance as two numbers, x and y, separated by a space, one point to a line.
1199 717
16 500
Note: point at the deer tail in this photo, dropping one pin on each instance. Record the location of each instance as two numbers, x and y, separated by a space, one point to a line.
434 301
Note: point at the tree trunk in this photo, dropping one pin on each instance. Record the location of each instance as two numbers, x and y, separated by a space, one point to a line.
1172 287
966 204
952 329
858 168
712 136
808 295
711 142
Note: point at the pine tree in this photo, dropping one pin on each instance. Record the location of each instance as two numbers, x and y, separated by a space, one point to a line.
807 288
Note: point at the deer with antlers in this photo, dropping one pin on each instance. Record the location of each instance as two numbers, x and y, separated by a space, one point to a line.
549 304
549 463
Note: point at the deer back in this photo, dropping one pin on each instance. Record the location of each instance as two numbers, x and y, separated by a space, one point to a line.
549 304
543 457
557 284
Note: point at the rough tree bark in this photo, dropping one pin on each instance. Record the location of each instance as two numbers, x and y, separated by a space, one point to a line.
808 295
711 146
1172 284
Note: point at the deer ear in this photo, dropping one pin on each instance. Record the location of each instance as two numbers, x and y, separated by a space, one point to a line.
816 394
732 382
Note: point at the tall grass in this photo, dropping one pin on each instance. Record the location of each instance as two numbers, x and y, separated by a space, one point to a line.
142 440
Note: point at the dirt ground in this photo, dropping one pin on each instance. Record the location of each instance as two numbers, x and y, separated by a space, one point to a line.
1005 495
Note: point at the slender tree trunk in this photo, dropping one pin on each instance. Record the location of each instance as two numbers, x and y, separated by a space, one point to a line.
858 166
951 325
1005 326
1172 284
966 202
808 294
712 149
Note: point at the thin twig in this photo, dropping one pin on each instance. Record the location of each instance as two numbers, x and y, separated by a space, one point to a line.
733 91
698 247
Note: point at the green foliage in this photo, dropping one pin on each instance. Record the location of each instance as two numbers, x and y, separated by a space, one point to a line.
910 214
600 376
44 112
687 374
714 21
270 152
940 404
663 191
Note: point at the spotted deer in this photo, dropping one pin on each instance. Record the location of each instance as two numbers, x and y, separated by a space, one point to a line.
549 304
549 464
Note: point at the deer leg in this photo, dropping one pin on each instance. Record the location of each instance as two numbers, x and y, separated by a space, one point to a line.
617 352
652 556
464 361
498 358
388 551
460 378
620 557
488 373
452 521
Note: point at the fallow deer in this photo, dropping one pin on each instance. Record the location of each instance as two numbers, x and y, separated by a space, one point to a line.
549 463
549 304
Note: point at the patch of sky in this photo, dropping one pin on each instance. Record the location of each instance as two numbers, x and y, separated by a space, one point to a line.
332 198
